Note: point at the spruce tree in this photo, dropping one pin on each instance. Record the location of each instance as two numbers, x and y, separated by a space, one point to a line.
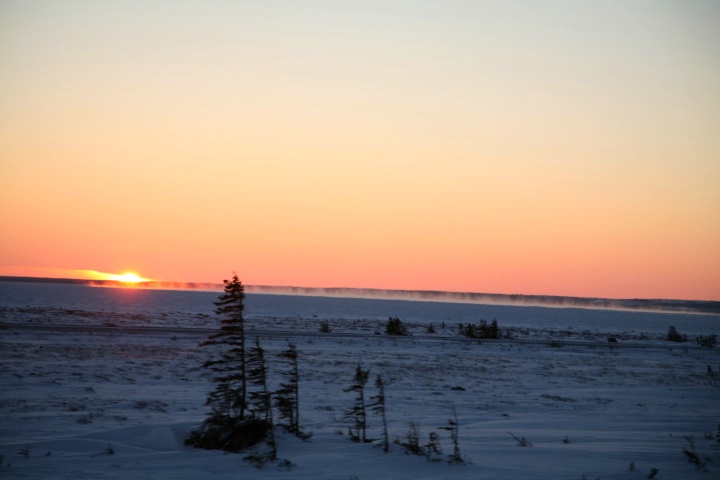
378 407
260 397
260 404
229 399
230 425
358 410
287 397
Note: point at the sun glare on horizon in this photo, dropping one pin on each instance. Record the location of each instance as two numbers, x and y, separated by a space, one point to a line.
128 277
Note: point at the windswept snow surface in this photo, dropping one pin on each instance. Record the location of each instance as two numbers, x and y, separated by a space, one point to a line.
88 391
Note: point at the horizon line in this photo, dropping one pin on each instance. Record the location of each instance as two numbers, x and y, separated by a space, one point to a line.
519 299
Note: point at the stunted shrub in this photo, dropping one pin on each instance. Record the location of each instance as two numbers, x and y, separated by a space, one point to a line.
433 449
674 336
395 327
230 434
521 441
453 427
481 330
691 455
707 340
411 441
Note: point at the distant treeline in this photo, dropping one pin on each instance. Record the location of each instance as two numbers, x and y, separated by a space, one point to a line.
695 306
663 305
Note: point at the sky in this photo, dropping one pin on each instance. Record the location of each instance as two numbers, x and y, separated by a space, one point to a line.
529 147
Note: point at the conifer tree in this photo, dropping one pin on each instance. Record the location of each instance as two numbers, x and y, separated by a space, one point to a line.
231 426
358 410
287 397
260 404
260 399
454 428
432 448
412 439
378 407
395 326
229 399
494 331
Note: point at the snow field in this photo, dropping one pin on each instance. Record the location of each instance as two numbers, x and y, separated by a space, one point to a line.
70 399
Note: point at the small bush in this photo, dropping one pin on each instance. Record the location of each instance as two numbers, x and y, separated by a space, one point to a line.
521 441
691 455
411 442
108 451
229 434
707 340
286 464
433 449
481 330
395 327
674 336
85 419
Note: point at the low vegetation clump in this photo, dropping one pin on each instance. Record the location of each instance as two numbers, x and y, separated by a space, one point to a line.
674 336
395 326
524 442
481 330
691 455
325 327
411 441
230 434
707 340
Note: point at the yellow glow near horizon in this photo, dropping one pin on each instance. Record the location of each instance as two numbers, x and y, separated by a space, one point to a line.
129 277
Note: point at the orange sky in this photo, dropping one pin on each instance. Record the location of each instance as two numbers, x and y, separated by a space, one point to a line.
564 148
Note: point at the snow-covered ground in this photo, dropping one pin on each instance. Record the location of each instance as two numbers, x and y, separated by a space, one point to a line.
118 402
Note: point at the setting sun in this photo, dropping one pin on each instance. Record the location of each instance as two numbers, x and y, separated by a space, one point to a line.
128 277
